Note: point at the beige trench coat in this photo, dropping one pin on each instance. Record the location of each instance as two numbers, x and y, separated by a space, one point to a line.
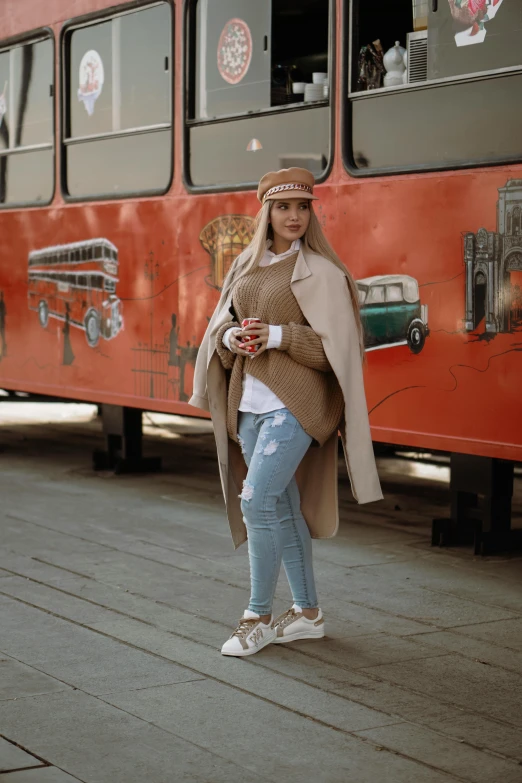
322 292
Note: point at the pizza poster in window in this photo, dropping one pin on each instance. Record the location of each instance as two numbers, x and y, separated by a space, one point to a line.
234 52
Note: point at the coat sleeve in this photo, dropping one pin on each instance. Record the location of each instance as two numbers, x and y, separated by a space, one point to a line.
303 345
207 348
227 357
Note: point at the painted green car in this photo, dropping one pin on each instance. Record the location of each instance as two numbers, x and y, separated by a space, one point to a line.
392 313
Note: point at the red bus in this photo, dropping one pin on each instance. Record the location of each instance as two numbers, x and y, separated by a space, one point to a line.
77 281
149 123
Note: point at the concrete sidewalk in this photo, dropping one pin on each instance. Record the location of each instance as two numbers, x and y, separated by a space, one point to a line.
116 594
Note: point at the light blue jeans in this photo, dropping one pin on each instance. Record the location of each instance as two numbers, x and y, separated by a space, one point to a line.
273 445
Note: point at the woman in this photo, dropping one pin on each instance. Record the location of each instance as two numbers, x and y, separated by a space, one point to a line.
277 412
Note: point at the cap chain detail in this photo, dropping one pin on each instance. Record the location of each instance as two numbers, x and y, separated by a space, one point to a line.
293 186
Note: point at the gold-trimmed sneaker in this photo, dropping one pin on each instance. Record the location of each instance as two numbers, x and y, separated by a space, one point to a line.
250 636
293 625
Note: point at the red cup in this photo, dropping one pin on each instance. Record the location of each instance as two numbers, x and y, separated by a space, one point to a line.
247 339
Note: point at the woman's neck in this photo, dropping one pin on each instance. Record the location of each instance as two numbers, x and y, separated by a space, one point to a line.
280 245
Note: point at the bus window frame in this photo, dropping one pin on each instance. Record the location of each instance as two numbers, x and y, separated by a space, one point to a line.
35 36
86 20
189 96
348 98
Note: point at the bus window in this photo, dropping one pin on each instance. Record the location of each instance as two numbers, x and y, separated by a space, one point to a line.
118 112
422 73
26 124
249 108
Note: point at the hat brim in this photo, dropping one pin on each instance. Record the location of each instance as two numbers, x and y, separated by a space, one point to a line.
286 194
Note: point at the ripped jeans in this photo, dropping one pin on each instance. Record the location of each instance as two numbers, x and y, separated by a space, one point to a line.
273 445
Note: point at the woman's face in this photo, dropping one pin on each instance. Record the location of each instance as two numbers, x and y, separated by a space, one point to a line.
290 219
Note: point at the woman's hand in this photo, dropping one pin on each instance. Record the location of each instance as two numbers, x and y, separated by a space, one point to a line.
260 334
236 343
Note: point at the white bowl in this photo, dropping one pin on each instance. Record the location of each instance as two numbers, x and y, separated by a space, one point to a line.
319 78
298 87
314 92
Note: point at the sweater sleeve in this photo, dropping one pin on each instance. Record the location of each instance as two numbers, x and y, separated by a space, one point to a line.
303 345
227 357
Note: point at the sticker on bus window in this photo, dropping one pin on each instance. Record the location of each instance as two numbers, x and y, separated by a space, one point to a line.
234 51
92 77
471 16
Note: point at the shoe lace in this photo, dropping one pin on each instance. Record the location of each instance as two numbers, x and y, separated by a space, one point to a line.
245 626
286 618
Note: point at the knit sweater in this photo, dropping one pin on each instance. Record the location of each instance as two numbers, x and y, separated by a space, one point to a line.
298 372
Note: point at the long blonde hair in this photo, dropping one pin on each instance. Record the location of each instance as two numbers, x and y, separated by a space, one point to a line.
313 240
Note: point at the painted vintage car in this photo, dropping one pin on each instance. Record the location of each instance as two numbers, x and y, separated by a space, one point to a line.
392 313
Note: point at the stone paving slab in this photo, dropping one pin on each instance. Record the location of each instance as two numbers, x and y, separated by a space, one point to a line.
18 680
428 746
460 681
74 655
507 633
98 743
361 652
42 775
12 757
485 652
229 713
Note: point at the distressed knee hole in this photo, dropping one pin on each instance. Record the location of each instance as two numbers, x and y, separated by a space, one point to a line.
241 445
279 419
248 491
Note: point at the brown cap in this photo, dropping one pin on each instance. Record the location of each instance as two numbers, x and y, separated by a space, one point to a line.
287 183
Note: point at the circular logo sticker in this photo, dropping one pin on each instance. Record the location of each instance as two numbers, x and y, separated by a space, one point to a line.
92 77
234 51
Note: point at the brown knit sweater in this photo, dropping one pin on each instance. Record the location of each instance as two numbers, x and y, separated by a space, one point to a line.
298 372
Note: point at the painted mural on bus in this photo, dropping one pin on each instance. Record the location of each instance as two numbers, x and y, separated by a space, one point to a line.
76 283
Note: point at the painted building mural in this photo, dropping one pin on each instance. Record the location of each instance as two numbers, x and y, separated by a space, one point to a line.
490 258
224 239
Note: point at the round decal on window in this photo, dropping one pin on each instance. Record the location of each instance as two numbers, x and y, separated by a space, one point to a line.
92 77
234 51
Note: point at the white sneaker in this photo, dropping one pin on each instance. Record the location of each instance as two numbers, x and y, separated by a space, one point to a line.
293 625
250 636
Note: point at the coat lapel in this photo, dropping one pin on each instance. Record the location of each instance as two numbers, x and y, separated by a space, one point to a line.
301 268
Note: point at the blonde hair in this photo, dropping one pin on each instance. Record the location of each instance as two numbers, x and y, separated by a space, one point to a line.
313 240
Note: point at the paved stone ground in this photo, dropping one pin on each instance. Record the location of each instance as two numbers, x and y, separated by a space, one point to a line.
117 592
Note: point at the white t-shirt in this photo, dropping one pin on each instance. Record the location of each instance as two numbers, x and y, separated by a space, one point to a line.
257 397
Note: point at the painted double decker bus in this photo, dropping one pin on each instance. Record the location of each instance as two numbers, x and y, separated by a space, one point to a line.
77 281
150 122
